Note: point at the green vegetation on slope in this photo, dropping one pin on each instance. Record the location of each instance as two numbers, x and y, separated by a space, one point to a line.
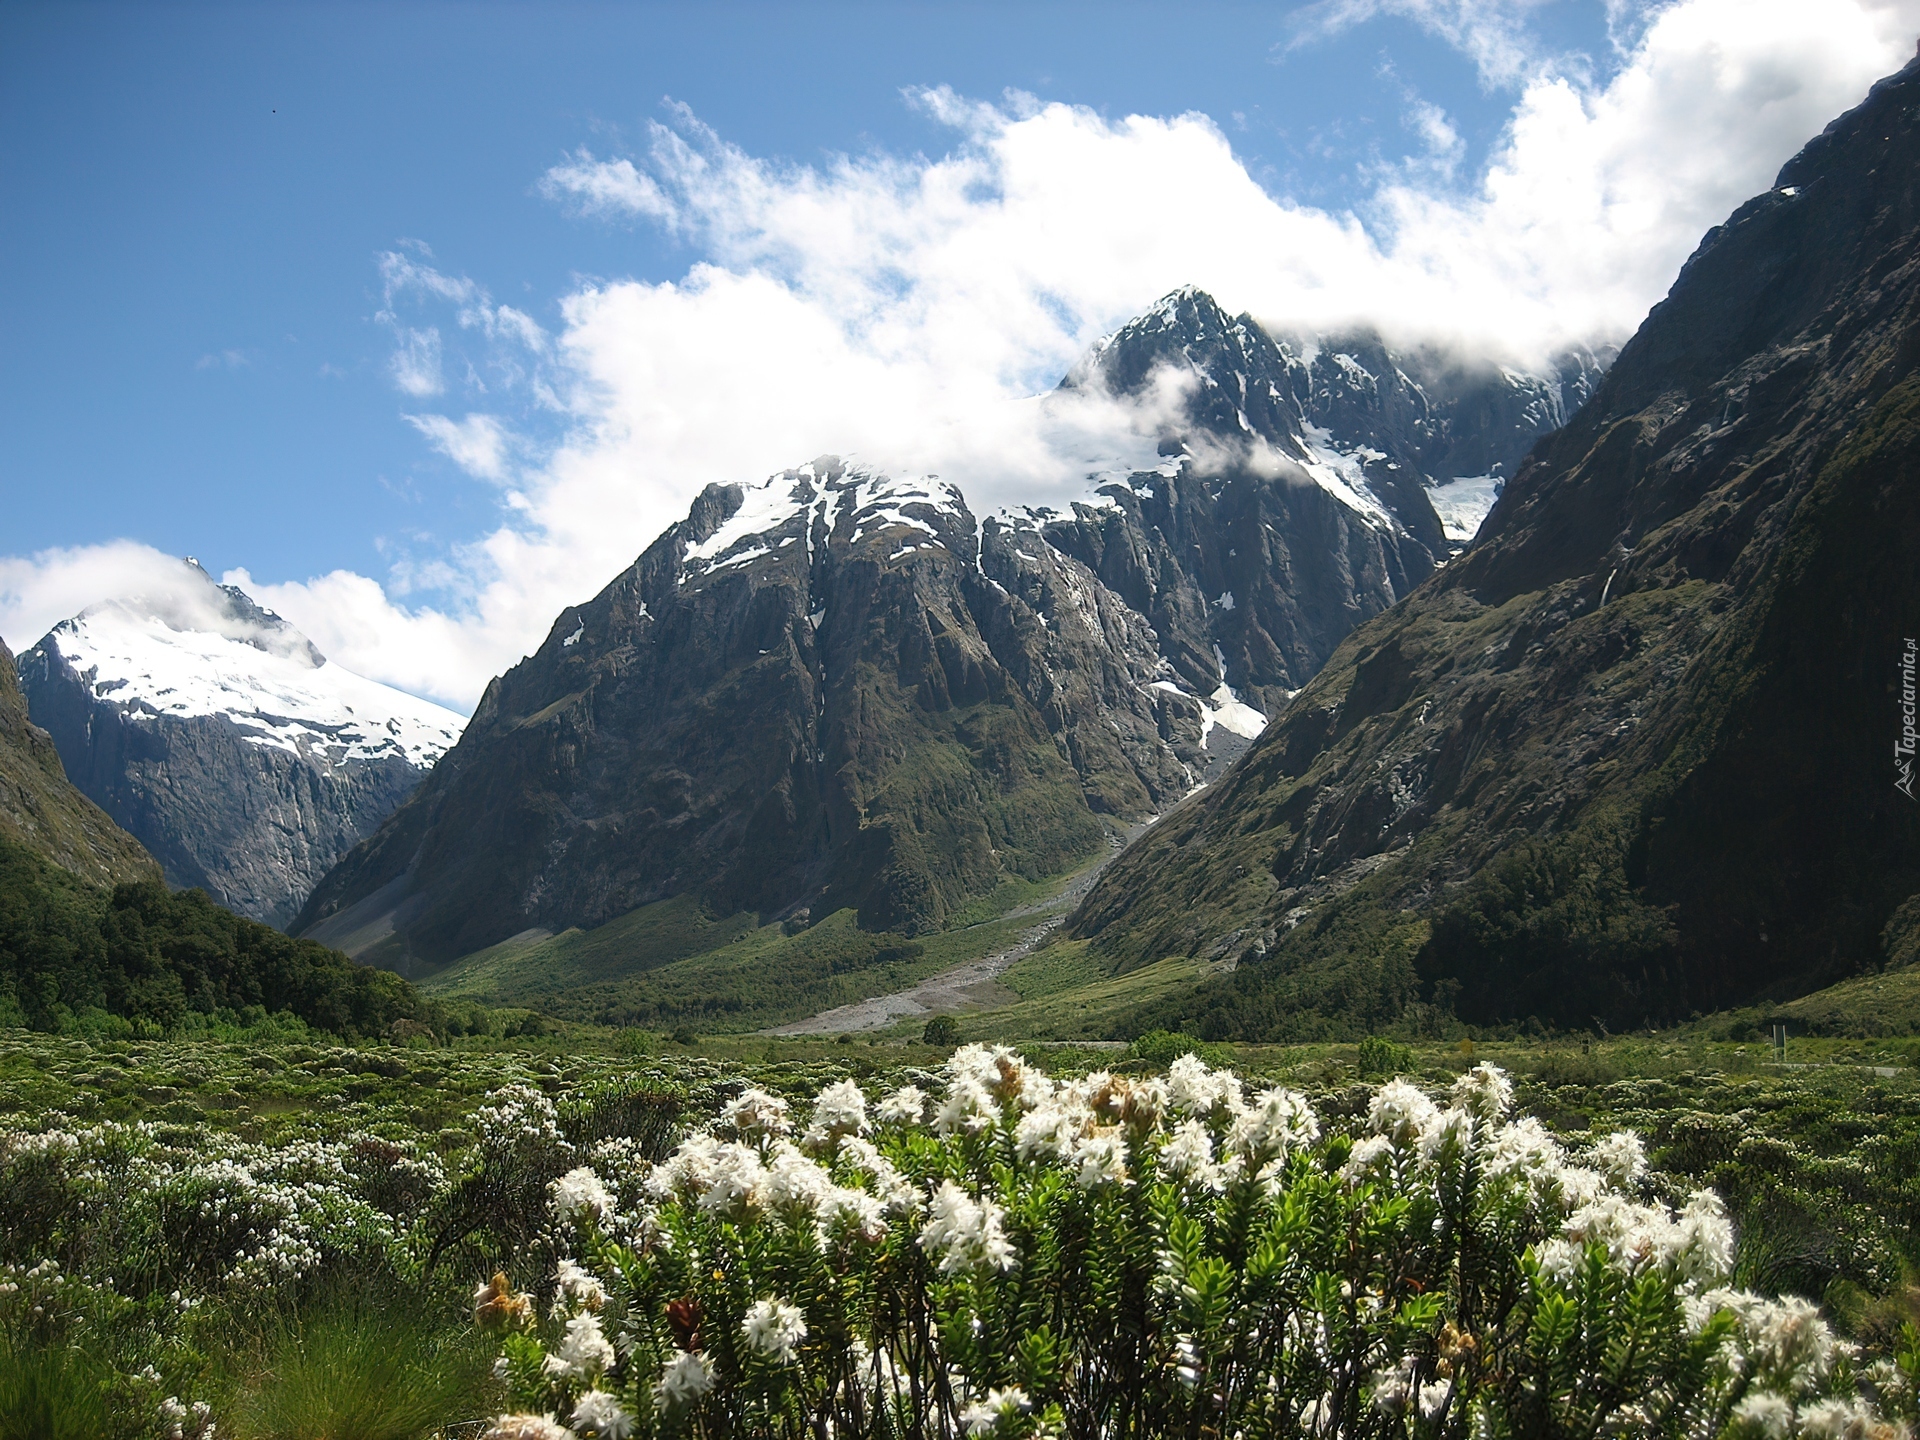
73 953
668 965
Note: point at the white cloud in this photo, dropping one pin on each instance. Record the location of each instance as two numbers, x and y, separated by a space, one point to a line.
1493 33
38 591
908 309
477 444
416 362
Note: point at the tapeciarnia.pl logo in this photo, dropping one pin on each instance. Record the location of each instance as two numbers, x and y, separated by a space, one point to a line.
1903 747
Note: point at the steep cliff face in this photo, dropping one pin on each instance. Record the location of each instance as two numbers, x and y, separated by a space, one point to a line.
790 700
42 812
214 731
1633 753
835 688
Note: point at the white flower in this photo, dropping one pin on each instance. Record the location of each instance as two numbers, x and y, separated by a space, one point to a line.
855 1212
1400 1111
1621 1157
1486 1092
966 1233
526 1427
600 1416
1785 1339
1837 1420
998 1070
688 1170
1193 1089
1368 1156
736 1182
1559 1259
1393 1387
895 1191
582 1351
1188 1155
1521 1148
1703 1249
756 1113
1101 1160
794 1184
1763 1415
1448 1134
579 1193
904 1106
579 1287
839 1110
1273 1126
774 1329
969 1106
684 1379
1433 1398
983 1417
1048 1133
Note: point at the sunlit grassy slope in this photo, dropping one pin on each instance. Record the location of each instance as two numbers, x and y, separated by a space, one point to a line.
671 964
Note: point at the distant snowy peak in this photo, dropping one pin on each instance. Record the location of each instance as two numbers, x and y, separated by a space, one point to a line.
827 501
210 651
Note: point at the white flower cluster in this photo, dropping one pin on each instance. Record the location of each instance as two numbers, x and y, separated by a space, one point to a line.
187 1422
517 1115
774 1329
863 1177
256 1215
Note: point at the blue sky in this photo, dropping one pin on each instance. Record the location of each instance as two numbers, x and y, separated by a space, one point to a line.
198 331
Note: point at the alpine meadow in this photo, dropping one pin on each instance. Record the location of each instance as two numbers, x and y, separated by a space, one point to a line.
1221 749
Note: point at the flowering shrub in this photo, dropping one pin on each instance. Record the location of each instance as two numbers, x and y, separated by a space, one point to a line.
1019 1257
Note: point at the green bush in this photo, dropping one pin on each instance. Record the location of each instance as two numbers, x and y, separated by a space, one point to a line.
1163 1047
941 1030
1379 1058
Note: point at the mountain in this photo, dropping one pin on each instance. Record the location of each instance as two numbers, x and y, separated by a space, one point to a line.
40 810
835 689
1643 749
217 734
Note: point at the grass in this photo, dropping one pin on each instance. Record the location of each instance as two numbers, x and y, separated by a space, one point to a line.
1067 993
670 964
55 1392
357 1367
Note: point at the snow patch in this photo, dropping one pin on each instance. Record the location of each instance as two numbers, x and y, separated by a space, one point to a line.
1462 504
281 701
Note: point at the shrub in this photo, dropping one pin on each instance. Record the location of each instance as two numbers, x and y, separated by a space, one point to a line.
941 1030
1167 1257
1163 1047
1380 1058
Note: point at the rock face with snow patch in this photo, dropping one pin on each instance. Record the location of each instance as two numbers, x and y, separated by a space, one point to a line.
836 689
216 733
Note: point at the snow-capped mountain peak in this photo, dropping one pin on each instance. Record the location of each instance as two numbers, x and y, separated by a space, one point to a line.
203 649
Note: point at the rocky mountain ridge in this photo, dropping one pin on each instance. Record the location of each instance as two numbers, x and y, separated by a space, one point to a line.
217 734
1631 755
838 689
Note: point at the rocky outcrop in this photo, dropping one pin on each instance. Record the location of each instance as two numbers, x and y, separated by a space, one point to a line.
1632 754
40 809
214 731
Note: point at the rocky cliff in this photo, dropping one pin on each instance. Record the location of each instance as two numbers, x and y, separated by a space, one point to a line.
1634 754
42 812
214 732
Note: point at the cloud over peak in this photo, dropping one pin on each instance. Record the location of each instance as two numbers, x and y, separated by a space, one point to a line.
911 309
